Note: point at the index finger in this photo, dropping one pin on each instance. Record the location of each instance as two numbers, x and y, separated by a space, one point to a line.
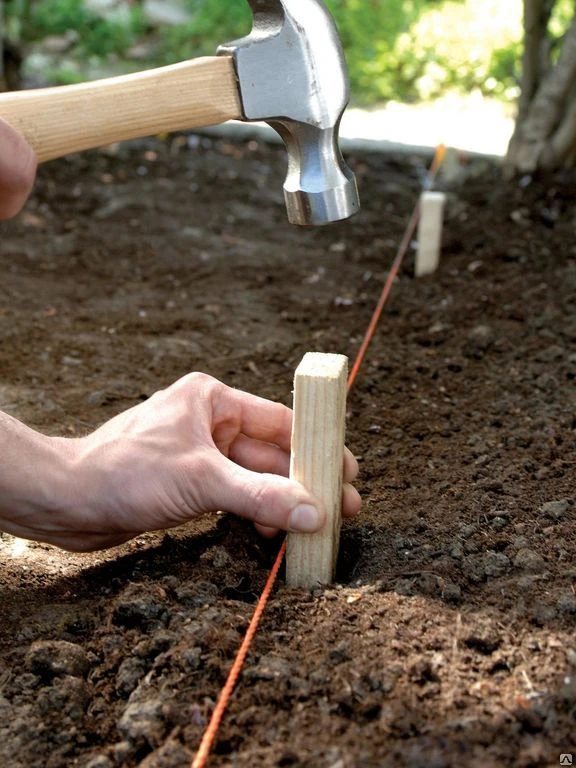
262 419
271 422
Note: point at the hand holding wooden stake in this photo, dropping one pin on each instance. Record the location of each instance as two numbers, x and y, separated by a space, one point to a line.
317 463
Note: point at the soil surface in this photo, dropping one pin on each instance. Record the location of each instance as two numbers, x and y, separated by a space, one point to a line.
449 639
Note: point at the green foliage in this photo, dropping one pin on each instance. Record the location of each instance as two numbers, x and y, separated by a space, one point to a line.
55 17
64 76
396 49
504 68
369 32
214 22
97 36
561 18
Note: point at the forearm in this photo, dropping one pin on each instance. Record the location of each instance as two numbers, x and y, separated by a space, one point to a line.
33 478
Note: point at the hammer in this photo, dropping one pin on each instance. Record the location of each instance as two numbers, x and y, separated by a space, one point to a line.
289 71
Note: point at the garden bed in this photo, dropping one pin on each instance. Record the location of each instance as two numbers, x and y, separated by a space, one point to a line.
449 640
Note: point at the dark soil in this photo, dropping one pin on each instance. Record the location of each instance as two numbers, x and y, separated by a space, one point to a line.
449 640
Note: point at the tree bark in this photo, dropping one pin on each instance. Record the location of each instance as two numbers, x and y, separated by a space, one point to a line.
534 58
545 134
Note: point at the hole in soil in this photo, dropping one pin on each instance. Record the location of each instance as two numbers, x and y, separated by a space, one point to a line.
355 544
287 759
484 645
241 591
79 626
228 746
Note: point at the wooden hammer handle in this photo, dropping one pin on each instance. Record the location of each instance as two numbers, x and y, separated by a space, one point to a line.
58 121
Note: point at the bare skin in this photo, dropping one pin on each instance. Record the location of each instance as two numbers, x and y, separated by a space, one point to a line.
17 171
196 447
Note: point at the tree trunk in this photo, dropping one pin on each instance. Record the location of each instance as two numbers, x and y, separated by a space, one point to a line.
545 133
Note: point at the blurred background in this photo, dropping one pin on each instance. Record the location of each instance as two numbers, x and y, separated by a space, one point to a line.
422 71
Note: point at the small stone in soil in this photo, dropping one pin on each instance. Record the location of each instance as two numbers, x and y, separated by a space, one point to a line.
542 613
473 568
50 658
547 382
98 398
530 561
567 692
192 657
495 564
451 593
467 530
122 751
100 761
130 673
134 610
526 583
151 647
220 558
480 339
404 587
170 755
67 696
457 551
429 584
566 603
269 667
550 354
143 721
555 510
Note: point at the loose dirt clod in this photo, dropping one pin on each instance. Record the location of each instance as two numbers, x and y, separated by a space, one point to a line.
52 658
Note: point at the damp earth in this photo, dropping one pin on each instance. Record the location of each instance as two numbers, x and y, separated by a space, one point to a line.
448 639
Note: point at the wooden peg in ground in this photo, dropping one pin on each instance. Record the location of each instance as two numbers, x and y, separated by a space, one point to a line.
317 463
429 232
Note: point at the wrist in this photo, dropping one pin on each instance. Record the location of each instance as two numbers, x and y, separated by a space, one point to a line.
35 480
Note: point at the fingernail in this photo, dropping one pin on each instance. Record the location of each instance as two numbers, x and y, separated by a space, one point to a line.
304 518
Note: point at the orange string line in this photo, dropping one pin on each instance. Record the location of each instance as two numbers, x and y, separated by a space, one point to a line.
212 730
439 156
203 753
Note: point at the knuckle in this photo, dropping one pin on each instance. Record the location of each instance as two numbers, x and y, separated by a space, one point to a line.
197 378
263 499
202 383
260 499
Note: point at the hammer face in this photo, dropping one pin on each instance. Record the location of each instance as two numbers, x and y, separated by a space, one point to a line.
292 74
319 188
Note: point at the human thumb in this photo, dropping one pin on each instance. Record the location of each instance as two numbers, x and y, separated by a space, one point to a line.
270 500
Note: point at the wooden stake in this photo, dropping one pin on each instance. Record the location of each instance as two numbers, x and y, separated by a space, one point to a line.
317 463
429 232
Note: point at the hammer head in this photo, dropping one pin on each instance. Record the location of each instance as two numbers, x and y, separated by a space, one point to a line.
293 75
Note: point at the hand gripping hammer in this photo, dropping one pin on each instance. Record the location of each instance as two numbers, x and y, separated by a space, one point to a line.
289 71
